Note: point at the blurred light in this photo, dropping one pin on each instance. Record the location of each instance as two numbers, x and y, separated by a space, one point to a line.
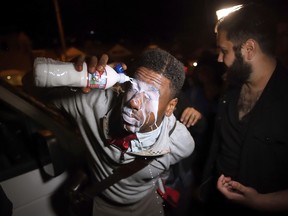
185 69
12 76
192 62
152 46
225 11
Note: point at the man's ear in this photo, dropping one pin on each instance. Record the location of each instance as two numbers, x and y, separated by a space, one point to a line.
250 47
171 107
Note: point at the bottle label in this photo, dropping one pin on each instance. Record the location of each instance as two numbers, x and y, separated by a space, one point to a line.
97 80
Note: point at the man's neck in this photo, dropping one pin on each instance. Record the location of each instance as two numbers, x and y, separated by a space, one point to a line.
262 71
252 90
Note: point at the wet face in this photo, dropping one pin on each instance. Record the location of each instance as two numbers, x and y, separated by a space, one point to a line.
238 71
146 101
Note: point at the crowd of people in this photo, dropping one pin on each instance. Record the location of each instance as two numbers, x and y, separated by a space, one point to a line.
245 168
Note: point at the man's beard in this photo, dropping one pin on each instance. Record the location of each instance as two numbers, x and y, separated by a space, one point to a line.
239 72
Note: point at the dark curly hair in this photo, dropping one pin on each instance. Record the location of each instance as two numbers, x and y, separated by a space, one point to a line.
162 62
253 20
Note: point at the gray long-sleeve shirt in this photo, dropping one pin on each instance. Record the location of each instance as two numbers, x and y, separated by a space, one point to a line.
91 112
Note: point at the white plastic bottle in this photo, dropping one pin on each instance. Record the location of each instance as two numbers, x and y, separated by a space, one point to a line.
52 73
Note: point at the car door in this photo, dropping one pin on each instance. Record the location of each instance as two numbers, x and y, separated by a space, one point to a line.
37 146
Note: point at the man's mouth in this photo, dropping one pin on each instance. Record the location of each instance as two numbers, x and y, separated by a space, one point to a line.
130 120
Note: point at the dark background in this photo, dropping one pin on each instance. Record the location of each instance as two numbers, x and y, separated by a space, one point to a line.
188 23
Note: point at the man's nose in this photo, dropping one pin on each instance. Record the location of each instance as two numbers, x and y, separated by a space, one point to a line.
137 101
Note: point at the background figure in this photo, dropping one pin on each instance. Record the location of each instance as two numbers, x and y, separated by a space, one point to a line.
202 89
199 98
246 170
203 84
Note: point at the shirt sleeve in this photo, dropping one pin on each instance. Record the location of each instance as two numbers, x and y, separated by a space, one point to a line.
182 143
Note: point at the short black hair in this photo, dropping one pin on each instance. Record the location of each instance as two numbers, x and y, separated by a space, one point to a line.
164 63
253 20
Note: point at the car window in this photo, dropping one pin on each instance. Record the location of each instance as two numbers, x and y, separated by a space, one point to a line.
32 135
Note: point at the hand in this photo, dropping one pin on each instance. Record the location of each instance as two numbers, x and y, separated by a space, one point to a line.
237 192
190 117
93 65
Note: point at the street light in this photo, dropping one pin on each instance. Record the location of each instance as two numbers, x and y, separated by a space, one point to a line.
222 13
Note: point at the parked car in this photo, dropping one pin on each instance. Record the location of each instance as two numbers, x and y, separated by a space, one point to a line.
37 147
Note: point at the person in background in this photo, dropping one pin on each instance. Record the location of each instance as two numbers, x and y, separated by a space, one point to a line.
248 160
183 175
196 109
201 93
142 110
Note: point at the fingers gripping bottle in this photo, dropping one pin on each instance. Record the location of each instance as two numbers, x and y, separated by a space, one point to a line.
52 73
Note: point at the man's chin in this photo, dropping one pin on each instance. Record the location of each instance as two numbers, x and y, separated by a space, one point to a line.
131 128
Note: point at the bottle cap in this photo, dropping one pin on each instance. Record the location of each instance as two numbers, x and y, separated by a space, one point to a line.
118 68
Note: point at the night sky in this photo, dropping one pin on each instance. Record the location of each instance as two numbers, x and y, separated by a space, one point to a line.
188 21
110 20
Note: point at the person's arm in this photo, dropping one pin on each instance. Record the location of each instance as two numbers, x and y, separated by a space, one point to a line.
46 94
248 196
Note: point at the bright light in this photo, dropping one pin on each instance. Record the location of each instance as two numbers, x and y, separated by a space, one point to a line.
194 64
225 11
